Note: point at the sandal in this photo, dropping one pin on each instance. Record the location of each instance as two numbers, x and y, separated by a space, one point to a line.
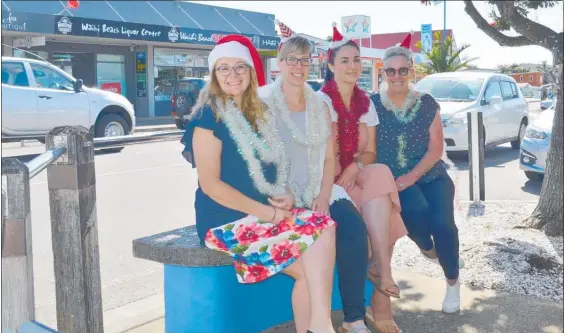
376 280
357 329
387 326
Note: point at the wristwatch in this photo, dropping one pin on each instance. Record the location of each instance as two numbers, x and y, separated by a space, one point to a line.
359 165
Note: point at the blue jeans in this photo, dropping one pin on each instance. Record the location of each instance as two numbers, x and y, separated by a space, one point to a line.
427 210
351 259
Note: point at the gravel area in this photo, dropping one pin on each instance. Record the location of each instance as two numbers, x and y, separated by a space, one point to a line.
497 255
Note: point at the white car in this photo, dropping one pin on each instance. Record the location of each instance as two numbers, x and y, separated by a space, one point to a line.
37 97
504 109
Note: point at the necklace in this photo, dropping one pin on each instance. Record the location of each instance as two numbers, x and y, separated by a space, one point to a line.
408 111
314 139
268 147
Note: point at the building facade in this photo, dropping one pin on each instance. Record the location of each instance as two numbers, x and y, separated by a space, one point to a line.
534 79
135 48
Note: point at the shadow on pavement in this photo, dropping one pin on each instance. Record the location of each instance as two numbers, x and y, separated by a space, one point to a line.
493 157
533 187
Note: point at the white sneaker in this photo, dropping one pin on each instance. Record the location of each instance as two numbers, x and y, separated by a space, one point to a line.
461 262
451 303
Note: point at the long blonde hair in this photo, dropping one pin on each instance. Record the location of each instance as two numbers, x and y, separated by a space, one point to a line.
252 107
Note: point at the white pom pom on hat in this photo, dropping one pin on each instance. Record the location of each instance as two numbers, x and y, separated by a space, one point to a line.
334 24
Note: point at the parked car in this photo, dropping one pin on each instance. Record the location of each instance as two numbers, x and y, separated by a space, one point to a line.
315 84
184 97
547 103
504 109
38 96
534 147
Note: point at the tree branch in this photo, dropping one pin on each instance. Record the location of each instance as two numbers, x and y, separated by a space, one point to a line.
533 31
492 32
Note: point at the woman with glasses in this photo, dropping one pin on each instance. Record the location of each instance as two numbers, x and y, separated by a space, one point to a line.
370 185
410 143
305 128
243 206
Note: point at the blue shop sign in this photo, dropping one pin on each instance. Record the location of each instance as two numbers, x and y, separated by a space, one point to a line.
80 26
27 22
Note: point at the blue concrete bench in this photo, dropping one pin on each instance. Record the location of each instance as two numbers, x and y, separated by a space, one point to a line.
30 327
202 293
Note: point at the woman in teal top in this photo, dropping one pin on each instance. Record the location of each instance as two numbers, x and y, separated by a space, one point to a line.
410 142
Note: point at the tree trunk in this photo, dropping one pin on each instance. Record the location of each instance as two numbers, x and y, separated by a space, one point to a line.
549 213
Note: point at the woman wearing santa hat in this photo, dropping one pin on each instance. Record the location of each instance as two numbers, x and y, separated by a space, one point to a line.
370 185
243 206
410 143
305 128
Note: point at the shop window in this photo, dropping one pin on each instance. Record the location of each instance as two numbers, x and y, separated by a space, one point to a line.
31 54
110 73
172 65
365 79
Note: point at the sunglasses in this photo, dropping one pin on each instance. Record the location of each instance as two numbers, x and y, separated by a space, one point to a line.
403 71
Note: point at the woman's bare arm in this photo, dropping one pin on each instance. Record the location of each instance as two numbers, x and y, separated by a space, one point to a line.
207 155
434 149
368 156
330 160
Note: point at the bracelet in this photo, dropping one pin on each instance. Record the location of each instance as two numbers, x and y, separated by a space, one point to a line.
272 219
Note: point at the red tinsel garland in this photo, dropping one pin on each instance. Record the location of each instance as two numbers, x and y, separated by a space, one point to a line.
348 122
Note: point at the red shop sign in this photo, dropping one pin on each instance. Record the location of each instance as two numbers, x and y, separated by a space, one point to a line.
112 86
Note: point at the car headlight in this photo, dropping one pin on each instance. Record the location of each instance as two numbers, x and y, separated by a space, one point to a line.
458 119
533 133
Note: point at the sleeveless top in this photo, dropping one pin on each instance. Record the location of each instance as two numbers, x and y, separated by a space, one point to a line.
401 146
234 172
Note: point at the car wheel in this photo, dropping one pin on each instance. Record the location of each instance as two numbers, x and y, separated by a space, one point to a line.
534 176
517 143
111 125
179 124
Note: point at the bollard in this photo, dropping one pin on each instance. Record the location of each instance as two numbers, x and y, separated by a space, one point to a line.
18 301
72 198
476 147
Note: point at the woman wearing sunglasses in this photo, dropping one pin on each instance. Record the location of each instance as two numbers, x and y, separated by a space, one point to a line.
410 143
370 185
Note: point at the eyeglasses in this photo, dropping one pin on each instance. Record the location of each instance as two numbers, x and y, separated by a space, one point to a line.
403 71
225 70
291 61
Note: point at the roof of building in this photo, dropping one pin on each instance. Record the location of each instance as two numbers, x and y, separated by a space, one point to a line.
383 41
163 13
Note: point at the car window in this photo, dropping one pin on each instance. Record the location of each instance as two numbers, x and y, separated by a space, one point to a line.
50 79
506 90
451 89
492 90
514 90
13 73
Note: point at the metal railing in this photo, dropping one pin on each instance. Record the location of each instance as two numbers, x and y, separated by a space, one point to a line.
69 161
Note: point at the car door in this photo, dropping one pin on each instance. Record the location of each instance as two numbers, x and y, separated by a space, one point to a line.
19 100
511 111
57 102
492 113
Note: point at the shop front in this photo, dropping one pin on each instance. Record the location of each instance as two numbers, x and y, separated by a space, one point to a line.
142 62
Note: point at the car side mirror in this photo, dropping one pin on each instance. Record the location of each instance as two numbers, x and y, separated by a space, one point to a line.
78 85
496 100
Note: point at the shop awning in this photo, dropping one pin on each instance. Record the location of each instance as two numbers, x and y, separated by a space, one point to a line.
161 21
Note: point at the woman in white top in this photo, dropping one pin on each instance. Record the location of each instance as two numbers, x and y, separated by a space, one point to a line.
304 125
370 185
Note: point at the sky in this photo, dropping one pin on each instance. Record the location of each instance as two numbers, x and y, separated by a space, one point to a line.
315 18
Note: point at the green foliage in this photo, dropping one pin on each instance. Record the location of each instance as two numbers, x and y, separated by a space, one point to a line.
443 59
509 69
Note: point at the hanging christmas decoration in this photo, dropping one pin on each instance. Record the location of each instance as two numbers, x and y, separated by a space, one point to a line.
73 4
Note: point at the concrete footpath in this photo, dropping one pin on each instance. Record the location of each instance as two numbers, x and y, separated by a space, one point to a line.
419 311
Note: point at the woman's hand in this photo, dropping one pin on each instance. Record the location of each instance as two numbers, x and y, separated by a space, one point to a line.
274 215
405 181
347 179
285 202
321 205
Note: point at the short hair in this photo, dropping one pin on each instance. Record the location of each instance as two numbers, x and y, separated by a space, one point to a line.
296 44
398 51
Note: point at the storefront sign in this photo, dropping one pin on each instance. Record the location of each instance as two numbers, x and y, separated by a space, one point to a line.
356 26
28 41
114 87
27 22
80 26
141 73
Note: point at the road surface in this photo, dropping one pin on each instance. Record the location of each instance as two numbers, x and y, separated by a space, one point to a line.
149 188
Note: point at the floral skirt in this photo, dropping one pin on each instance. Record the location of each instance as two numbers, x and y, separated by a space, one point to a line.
262 249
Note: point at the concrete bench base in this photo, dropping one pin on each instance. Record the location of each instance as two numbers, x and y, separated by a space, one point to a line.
202 294
210 300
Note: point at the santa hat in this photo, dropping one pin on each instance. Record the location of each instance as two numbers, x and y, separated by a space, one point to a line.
407 41
237 46
285 32
337 41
